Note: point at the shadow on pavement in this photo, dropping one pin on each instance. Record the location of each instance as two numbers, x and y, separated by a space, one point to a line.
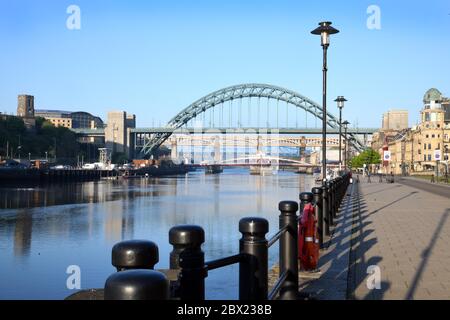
426 255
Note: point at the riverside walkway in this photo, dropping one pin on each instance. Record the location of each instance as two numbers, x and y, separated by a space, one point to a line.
402 228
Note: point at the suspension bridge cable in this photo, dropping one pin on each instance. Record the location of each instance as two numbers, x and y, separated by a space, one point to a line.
278 106
259 105
249 112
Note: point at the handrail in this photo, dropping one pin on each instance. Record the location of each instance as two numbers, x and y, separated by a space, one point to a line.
277 287
277 236
187 257
223 262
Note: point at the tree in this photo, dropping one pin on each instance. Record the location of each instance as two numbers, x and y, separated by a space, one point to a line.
13 134
368 157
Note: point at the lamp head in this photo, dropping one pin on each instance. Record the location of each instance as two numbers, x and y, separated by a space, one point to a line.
324 30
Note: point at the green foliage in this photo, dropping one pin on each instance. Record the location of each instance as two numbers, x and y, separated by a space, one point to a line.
367 157
45 138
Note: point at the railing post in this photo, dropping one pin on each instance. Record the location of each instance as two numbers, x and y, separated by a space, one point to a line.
332 200
253 273
318 202
137 285
289 248
187 254
134 254
305 198
338 192
326 208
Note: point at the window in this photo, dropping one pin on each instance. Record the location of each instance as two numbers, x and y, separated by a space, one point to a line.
429 157
427 136
424 157
429 146
424 146
439 146
432 136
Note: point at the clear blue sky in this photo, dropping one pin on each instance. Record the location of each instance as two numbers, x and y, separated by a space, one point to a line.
153 58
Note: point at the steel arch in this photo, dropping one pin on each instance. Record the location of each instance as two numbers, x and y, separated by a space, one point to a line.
245 91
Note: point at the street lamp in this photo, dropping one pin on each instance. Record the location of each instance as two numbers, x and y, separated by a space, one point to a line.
446 162
340 104
345 124
324 30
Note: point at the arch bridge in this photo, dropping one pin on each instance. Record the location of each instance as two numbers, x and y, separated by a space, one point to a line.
235 107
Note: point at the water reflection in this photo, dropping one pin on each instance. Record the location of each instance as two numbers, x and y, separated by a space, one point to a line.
51 227
22 233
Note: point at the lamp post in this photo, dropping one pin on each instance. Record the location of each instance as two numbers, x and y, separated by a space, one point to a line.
324 30
340 104
446 162
345 124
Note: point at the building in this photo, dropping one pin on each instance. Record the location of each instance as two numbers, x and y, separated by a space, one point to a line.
25 106
118 132
57 117
413 150
85 120
395 120
71 120
25 110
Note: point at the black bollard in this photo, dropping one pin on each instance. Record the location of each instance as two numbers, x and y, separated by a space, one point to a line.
326 208
332 198
134 254
189 257
137 285
318 203
289 246
181 238
253 273
305 198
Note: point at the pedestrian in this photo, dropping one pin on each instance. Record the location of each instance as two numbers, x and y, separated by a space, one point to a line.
381 177
432 179
368 177
392 177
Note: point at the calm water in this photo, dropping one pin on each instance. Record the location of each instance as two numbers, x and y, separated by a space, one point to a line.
43 230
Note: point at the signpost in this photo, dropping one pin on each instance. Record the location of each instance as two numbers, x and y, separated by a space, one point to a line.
437 158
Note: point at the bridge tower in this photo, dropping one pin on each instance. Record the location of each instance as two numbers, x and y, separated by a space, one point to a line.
217 150
174 150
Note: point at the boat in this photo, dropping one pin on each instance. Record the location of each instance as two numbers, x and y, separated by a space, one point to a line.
213 169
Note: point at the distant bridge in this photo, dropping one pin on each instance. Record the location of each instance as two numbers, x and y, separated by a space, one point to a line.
191 130
240 109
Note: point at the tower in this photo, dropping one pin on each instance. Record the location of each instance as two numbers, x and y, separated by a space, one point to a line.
25 106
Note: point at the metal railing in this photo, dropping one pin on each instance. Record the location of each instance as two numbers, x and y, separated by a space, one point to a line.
135 260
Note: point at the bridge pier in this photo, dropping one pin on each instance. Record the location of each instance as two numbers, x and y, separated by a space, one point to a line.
217 151
174 150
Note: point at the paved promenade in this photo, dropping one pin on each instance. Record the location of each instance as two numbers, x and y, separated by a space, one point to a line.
403 228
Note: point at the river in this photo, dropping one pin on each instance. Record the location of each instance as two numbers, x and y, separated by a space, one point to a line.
45 229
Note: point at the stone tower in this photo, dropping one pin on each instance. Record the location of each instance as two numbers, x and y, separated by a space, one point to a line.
25 106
